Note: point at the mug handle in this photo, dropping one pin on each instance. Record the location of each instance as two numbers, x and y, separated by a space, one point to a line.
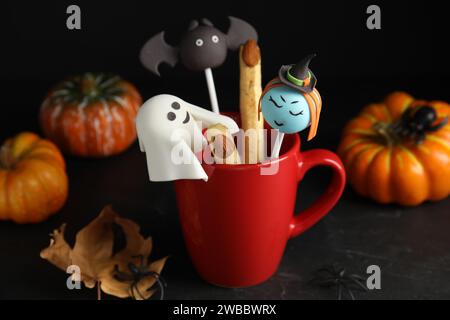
320 207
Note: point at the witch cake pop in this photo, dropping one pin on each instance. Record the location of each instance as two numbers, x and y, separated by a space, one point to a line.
290 103
202 48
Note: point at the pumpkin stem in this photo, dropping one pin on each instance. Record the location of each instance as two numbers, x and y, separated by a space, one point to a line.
88 85
384 130
6 158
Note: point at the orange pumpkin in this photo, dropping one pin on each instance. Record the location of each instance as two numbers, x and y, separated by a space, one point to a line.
91 115
386 162
33 180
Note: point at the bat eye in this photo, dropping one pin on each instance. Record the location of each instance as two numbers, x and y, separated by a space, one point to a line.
171 116
215 39
199 42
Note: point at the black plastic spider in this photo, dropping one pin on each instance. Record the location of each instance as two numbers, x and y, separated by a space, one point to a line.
334 276
416 122
137 273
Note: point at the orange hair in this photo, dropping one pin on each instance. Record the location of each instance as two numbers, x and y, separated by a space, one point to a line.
313 99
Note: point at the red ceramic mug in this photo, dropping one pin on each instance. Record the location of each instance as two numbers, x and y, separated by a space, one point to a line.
236 224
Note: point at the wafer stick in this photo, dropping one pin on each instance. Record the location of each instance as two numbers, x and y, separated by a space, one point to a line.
222 145
250 92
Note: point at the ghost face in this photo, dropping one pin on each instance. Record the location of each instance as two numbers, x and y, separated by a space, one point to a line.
168 117
286 109
169 112
203 47
177 114
178 117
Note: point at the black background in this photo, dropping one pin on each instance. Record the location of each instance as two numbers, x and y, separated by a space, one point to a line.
408 53
411 42
354 66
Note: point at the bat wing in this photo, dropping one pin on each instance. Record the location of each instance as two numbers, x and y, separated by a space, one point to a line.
156 51
239 32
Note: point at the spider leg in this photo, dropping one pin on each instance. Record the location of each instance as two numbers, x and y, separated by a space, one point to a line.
326 283
411 134
358 281
439 125
138 291
327 269
349 291
420 137
134 286
400 124
339 291
133 296
322 278
406 114
161 296
357 277
160 282
322 274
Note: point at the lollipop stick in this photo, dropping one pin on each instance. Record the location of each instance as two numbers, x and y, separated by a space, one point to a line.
212 90
277 145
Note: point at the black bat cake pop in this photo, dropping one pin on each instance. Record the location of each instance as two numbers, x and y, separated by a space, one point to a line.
202 47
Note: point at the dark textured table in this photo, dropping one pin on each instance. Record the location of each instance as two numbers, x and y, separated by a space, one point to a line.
411 245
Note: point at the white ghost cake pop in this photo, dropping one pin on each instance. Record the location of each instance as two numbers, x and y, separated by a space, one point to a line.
170 133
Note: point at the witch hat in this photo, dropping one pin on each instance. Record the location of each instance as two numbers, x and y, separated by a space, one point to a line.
299 76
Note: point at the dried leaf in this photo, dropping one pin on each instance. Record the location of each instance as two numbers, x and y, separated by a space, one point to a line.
58 252
93 247
136 244
93 254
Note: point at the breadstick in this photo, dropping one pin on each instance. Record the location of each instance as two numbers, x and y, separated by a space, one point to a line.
250 92
221 144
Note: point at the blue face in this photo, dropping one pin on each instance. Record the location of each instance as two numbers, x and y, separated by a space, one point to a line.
286 109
